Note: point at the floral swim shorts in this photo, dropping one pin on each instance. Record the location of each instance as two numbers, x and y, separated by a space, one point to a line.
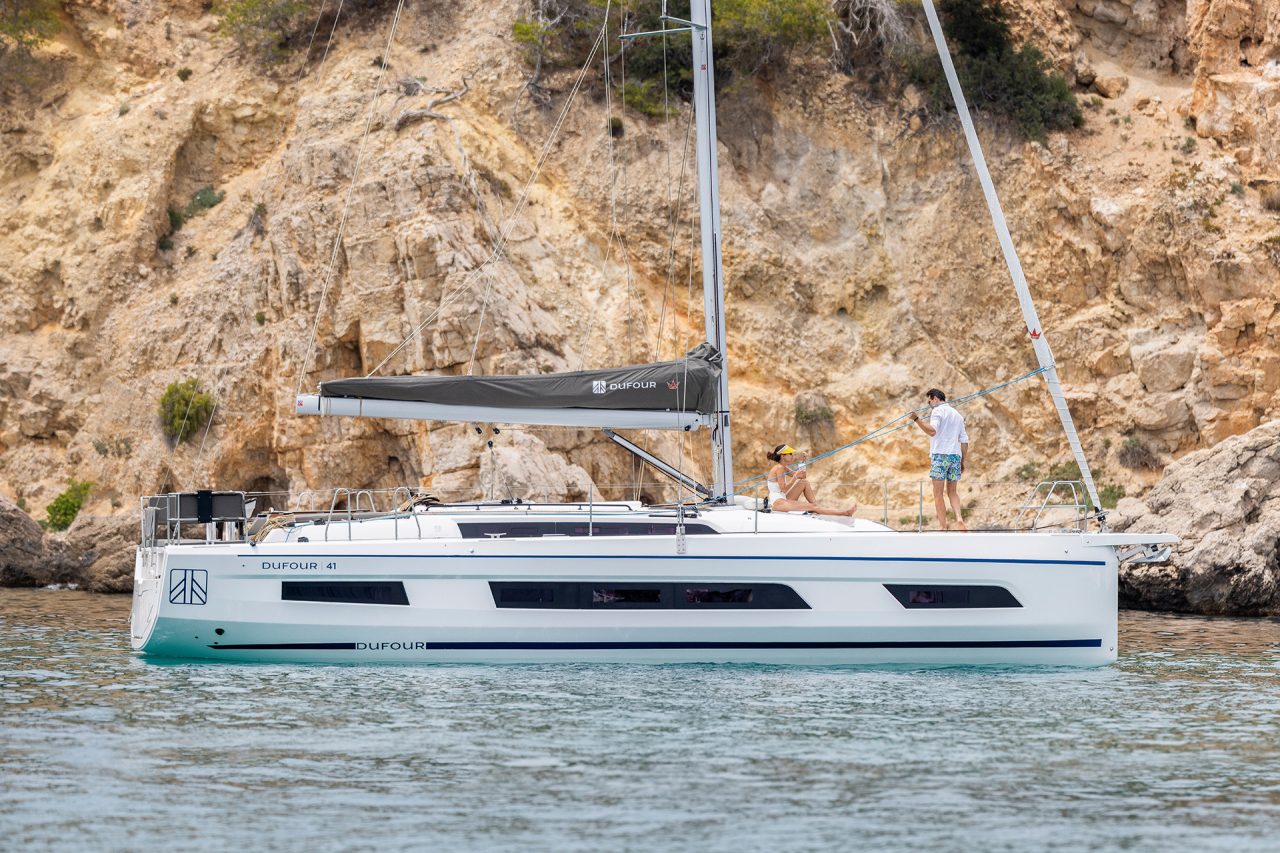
944 466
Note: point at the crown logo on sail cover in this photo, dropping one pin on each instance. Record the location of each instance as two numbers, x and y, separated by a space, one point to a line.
673 384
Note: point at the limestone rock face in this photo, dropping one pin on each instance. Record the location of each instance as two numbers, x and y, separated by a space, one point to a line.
1224 502
1111 86
102 549
27 557
1236 92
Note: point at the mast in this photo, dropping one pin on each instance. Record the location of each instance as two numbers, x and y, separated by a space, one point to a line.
704 110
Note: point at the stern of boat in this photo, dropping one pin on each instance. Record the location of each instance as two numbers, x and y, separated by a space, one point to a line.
148 569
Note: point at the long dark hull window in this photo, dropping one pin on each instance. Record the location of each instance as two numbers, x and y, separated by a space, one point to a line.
344 592
530 529
950 596
607 595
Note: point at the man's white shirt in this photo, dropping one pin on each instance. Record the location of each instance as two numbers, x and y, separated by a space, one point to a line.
948 429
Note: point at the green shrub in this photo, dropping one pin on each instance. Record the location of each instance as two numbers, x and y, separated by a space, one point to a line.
184 409
262 27
261 317
123 109
1029 472
752 37
757 34
64 508
184 73
1065 471
643 96
1188 145
25 24
203 199
615 126
1110 495
120 448
805 416
1134 454
1017 83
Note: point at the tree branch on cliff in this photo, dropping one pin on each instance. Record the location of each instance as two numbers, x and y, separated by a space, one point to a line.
409 117
856 25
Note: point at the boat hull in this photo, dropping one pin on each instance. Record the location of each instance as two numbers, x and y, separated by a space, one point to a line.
224 601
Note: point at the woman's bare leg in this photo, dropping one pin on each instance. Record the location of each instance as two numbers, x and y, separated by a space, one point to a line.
805 506
802 490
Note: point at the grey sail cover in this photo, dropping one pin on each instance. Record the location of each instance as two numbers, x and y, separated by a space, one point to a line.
687 385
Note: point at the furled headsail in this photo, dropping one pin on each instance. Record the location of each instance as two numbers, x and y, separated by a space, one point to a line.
678 395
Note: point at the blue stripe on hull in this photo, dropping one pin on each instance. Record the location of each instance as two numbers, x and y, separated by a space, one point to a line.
947 644
672 557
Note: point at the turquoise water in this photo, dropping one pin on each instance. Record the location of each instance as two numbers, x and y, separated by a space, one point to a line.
1176 747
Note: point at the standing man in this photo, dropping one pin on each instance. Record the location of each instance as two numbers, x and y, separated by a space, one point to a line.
948 453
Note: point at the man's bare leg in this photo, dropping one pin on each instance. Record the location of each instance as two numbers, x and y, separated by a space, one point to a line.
939 505
953 492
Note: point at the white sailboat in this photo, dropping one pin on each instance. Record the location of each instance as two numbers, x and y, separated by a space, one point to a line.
704 581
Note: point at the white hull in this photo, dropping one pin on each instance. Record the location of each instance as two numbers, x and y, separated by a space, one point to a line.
224 601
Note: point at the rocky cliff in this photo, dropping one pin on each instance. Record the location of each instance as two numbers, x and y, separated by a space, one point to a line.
859 264
1224 502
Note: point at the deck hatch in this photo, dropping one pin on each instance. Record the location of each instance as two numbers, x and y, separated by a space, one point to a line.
950 596
608 595
344 592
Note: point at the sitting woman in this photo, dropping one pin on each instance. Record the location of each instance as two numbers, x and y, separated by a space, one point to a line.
789 486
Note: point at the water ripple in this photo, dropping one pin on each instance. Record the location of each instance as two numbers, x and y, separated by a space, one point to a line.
1177 746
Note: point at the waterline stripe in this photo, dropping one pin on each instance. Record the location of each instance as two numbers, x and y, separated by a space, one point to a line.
941 644
1001 561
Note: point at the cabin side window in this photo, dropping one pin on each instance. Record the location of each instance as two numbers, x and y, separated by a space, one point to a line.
344 592
950 596
606 595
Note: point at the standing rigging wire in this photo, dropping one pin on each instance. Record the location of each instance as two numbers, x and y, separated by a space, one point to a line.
346 205
217 401
615 235
484 307
676 206
337 15
319 16
467 283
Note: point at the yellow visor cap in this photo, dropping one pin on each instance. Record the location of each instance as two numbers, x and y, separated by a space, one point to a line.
788 449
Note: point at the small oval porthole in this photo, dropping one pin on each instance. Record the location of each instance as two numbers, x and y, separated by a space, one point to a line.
219 631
